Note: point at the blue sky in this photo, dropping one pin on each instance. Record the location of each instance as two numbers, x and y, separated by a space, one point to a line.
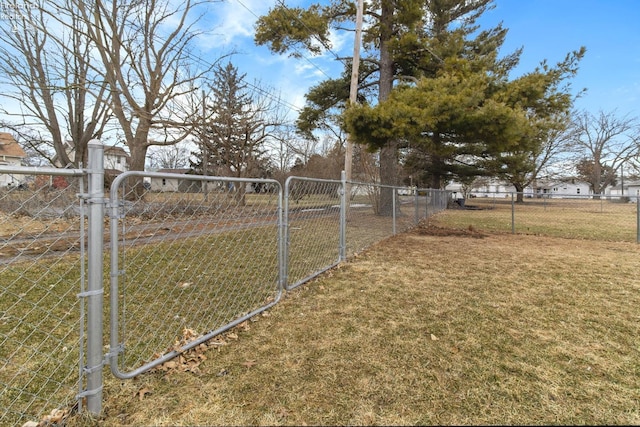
609 29
546 29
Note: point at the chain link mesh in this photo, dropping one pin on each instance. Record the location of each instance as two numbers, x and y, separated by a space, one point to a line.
368 224
40 274
194 256
312 209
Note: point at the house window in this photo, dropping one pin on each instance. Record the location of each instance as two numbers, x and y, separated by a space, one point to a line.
555 188
577 191
118 160
164 182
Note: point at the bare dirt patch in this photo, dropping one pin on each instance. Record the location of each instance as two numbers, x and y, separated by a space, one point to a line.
427 228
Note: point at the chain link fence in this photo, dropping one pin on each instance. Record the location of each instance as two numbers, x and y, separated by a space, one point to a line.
42 272
164 263
608 218
313 222
366 225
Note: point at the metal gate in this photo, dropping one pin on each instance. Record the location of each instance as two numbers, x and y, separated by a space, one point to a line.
191 257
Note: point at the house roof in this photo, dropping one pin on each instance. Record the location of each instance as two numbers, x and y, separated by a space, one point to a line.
9 147
548 183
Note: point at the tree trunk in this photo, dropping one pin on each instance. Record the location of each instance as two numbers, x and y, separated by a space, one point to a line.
138 150
519 193
389 153
388 176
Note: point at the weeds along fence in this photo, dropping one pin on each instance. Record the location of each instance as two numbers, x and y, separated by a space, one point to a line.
608 218
133 274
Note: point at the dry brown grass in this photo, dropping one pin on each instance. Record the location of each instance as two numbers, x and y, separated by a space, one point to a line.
436 326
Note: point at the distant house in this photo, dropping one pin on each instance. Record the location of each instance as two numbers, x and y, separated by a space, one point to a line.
11 154
540 188
562 188
116 158
174 184
631 190
483 188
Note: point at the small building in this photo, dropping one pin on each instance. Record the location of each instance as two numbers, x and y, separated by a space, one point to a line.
116 158
11 154
562 188
631 190
174 184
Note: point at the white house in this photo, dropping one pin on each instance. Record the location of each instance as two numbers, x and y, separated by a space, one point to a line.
116 158
540 188
484 188
171 184
631 190
562 188
11 154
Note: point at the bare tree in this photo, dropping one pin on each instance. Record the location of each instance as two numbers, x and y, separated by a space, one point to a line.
55 100
282 149
244 119
144 49
169 157
602 144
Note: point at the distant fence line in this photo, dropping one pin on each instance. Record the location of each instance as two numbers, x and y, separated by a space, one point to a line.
591 216
188 257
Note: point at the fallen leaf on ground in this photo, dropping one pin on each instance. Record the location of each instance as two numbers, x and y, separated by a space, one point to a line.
249 363
143 392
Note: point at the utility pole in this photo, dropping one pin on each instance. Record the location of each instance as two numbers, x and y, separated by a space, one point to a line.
205 151
353 91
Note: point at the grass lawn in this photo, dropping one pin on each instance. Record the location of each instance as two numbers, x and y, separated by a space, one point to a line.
436 326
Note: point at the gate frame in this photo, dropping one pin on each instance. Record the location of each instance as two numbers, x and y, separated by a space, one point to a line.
115 347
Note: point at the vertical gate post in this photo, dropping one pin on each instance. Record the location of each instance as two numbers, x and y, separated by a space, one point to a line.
95 288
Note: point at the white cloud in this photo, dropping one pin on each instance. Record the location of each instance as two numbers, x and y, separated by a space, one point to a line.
342 40
232 22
